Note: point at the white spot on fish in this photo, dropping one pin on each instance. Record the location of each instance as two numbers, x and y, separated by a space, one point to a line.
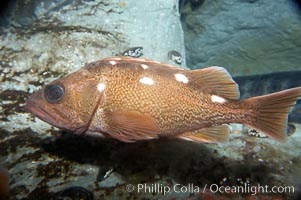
147 81
181 78
112 62
144 66
101 87
217 99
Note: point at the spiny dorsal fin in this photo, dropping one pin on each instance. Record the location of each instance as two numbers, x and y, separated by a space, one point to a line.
215 80
130 126
213 134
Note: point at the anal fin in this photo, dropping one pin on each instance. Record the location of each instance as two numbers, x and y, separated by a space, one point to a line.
213 134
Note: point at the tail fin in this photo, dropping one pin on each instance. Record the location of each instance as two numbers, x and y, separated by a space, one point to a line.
272 111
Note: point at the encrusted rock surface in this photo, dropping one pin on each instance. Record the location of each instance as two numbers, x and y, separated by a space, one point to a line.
48 40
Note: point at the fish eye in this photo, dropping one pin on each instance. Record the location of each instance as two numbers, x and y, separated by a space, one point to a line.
54 93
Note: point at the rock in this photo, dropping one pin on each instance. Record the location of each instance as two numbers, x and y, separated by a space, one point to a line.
112 180
246 37
75 193
62 36
44 40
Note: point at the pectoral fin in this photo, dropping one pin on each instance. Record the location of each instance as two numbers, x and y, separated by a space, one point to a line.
130 126
213 134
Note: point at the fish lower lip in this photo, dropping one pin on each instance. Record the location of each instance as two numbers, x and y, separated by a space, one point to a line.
39 112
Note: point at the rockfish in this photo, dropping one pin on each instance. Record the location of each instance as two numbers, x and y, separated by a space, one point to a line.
133 99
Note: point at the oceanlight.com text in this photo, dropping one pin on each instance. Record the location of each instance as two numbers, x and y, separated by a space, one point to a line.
159 188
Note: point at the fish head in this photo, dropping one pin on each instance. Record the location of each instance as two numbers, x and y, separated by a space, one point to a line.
68 103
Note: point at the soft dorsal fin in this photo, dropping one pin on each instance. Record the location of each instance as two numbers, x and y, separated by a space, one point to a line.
130 126
213 134
215 80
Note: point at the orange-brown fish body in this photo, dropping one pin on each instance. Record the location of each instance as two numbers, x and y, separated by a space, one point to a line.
135 99
153 93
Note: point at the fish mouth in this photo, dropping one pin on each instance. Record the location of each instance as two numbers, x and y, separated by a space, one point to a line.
42 114
50 118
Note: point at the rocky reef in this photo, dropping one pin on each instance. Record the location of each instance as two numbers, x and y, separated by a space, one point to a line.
44 40
246 36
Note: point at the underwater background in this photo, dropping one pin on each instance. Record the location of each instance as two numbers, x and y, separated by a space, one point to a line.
257 41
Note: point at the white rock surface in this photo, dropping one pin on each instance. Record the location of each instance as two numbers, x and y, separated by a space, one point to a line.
63 37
